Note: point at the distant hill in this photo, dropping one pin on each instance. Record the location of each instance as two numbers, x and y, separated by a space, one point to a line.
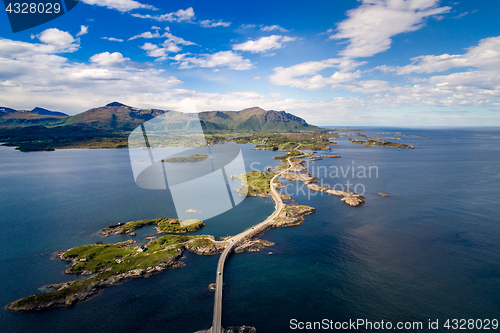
45 112
109 125
21 118
253 120
114 116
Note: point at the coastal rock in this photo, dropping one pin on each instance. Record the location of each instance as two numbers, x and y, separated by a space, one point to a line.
303 177
317 188
252 245
331 156
384 194
353 200
298 166
292 215
350 198
205 246
93 289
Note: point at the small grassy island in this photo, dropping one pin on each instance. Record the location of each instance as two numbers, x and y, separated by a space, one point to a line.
108 264
257 182
111 264
190 158
164 225
367 141
290 141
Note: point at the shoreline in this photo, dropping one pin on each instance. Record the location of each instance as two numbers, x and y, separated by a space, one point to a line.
285 214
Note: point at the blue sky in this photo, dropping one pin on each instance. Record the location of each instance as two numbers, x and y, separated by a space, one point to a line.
370 62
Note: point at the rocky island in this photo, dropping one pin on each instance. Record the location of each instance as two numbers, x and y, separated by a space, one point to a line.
367 141
190 158
164 225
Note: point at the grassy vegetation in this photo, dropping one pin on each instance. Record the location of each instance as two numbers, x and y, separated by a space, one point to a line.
107 260
190 158
164 226
131 226
290 154
378 142
258 182
202 242
290 141
74 288
122 257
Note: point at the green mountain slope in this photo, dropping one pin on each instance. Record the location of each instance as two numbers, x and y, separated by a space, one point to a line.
113 116
253 120
109 126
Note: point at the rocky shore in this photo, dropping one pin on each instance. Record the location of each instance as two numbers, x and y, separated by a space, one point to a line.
350 198
164 225
205 245
65 294
298 166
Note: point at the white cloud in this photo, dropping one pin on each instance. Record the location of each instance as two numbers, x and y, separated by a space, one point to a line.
160 52
170 38
109 59
305 75
227 59
54 82
121 5
273 28
368 87
248 26
275 95
178 16
369 27
113 39
256 78
60 39
213 24
170 45
53 41
175 39
263 44
31 69
486 55
83 31
146 35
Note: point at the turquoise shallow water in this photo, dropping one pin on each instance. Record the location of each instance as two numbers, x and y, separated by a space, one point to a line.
430 251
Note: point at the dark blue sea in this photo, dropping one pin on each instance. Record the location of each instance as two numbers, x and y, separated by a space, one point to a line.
430 251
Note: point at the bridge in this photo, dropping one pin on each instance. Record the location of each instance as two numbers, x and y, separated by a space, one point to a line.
279 205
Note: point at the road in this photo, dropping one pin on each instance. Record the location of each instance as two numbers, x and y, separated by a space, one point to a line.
279 205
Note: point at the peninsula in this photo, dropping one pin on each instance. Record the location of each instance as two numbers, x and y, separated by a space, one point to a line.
190 158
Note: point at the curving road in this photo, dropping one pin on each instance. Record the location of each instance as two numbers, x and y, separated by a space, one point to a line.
279 205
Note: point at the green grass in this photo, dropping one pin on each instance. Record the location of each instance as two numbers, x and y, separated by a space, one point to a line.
131 226
72 289
202 242
102 256
190 158
294 154
102 259
164 226
290 141
258 181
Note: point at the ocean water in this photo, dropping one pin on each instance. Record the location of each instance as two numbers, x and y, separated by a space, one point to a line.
431 251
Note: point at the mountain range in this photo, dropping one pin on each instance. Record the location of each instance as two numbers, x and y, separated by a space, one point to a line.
41 128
